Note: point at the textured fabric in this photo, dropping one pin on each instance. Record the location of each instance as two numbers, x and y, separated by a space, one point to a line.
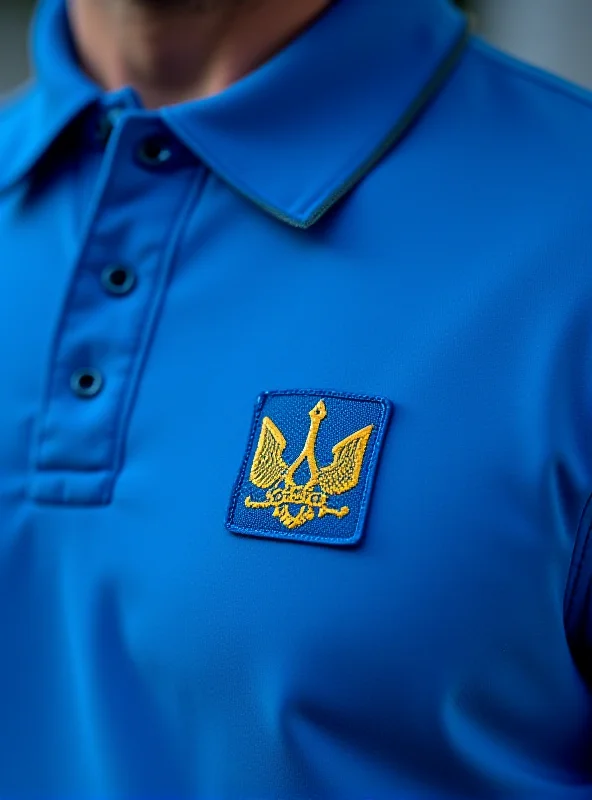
384 210
325 450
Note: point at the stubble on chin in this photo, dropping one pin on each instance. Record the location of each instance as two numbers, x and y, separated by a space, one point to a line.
177 6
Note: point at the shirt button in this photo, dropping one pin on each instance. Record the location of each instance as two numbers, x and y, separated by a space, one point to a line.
118 280
86 383
154 152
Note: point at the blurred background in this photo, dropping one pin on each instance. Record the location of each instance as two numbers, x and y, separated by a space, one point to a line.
554 34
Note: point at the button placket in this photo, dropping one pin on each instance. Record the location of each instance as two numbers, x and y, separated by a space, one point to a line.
101 342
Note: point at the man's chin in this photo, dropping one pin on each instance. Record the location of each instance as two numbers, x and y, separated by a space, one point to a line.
195 6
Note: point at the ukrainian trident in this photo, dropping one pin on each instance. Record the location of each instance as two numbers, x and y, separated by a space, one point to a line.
270 471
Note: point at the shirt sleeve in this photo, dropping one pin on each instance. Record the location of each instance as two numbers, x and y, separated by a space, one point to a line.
578 596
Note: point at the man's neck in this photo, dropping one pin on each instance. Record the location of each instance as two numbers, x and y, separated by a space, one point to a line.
182 54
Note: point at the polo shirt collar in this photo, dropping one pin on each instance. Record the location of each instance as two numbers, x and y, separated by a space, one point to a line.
295 135
42 110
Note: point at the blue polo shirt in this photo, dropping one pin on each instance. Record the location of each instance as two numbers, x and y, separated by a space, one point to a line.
296 425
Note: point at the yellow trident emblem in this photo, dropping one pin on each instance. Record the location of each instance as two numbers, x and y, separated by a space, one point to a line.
270 471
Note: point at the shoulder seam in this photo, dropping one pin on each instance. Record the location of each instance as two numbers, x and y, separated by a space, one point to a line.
534 74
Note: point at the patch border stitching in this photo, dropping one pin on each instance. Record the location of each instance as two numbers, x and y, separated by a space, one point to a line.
386 413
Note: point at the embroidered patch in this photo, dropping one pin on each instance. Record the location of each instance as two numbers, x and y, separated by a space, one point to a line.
309 467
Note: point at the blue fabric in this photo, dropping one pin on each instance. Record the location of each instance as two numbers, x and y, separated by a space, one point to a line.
383 211
578 596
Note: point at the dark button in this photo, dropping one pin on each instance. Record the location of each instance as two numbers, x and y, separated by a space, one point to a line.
154 152
86 383
118 280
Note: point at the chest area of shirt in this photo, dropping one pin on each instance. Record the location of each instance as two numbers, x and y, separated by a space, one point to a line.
460 529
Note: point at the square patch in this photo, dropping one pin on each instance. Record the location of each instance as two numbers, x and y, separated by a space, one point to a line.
309 468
